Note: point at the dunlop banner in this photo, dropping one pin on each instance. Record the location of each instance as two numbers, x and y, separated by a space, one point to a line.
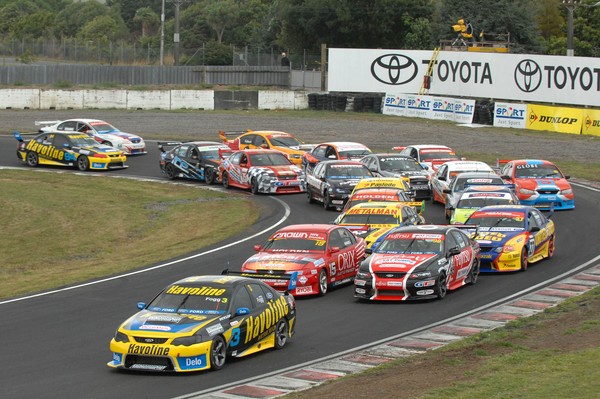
555 119
591 122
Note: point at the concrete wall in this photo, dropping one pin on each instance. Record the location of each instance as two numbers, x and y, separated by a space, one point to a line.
151 99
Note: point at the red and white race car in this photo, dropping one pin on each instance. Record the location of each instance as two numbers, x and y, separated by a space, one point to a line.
430 155
262 171
324 255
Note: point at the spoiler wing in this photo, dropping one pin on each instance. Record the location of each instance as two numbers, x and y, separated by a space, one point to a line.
292 277
163 144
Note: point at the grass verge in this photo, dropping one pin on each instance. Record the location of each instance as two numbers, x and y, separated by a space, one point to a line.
58 229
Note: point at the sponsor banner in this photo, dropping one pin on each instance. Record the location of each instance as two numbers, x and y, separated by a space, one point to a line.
554 119
443 108
516 77
463 111
394 104
591 122
510 115
418 106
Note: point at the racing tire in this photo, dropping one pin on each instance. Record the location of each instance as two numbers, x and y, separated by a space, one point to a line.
551 247
326 201
282 332
524 261
83 163
309 195
254 186
225 180
171 171
441 286
32 159
323 285
209 176
474 273
218 353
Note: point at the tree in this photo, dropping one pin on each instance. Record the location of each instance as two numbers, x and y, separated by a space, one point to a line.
76 15
147 18
103 29
220 15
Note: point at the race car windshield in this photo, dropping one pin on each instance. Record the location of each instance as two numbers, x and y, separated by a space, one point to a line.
537 172
492 222
103 128
295 244
83 141
476 203
345 172
430 156
461 183
272 159
399 165
210 154
196 299
368 219
358 153
410 246
285 141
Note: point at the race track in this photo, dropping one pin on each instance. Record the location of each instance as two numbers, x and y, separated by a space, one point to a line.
57 344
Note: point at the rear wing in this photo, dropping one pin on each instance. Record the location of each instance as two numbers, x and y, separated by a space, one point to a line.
19 136
292 277
43 123
398 148
163 144
227 136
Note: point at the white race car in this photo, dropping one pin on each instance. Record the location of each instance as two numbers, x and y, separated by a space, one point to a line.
103 132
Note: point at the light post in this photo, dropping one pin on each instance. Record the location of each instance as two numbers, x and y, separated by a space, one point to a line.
162 33
570 4
176 32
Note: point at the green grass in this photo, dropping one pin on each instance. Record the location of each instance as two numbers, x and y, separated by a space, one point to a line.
59 229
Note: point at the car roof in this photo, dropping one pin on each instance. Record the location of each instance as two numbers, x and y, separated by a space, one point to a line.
341 162
259 151
488 188
423 229
482 174
391 155
378 191
531 162
84 120
309 228
268 133
343 143
430 146
380 205
457 165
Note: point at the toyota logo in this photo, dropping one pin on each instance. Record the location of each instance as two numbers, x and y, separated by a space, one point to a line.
528 76
394 69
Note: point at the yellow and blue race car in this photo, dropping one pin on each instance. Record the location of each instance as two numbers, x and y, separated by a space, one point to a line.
373 220
196 322
68 149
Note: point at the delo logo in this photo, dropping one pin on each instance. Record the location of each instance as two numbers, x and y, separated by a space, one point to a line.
394 69
193 362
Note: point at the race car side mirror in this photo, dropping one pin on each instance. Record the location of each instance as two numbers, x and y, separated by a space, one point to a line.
335 249
141 305
257 247
454 251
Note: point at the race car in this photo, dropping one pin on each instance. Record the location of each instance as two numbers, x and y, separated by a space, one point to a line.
512 236
395 165
400 183
198 160
381 195
465 179
323 255
418 262
373 220
340 150
101 131
539 183
262 171
475 197
68 149
441 179
331 182
254 139
197 322
432 155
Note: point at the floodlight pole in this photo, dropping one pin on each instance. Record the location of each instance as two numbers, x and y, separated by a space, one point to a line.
570 4
162 34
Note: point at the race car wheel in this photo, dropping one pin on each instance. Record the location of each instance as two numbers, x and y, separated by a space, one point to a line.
83 163
254 186
225 180
326 201
524 261
218 353
323 282
309 195
281 333
171 171
441 287
474 273
209 176
32 159
551 247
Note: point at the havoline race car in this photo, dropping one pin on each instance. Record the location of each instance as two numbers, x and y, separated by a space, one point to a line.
68 149
198 160
195 323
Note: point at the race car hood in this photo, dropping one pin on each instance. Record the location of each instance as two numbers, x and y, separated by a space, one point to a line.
545 184
282 261
349 183
166 322
381 262
498 237
408 173
105 149
283 170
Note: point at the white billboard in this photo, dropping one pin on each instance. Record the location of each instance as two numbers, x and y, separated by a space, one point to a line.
520 77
